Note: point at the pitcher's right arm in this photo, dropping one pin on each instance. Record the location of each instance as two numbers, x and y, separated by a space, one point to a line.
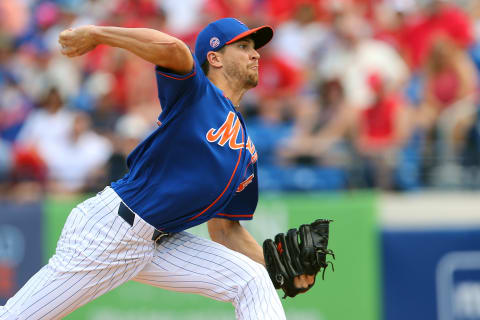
151 45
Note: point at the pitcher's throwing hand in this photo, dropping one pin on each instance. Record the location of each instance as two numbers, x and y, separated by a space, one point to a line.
77 41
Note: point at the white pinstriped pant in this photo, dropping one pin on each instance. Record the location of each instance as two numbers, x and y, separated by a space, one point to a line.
98 251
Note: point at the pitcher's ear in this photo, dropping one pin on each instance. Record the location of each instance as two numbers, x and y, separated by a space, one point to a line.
214 58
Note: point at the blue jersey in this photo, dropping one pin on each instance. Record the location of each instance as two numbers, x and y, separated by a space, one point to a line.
198 164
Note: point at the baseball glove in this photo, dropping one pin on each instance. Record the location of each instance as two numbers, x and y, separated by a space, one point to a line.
302 251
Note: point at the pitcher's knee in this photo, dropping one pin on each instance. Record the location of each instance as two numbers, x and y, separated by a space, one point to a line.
263 276
258 283
257 298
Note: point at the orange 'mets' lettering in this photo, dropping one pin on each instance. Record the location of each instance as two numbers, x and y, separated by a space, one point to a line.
250 146
228 132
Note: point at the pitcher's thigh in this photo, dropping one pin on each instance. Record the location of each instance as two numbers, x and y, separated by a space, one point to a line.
50 294
188 263
96 252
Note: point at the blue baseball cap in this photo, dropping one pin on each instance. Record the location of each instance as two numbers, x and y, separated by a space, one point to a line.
226 31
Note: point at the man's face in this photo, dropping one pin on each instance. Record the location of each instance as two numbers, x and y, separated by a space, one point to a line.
240 61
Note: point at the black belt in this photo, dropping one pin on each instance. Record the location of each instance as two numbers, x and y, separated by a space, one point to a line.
129 217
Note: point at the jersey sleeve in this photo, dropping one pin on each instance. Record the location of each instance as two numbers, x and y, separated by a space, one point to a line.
174 89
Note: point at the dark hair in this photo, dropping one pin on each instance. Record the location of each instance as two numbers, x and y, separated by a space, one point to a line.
206 67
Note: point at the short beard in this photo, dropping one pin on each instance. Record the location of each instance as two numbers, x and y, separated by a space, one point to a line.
252 80
247 80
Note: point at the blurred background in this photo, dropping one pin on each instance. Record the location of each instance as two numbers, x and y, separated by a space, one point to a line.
366 112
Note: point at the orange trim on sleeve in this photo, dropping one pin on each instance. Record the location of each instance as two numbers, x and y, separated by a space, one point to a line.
172 77
235 215
228 184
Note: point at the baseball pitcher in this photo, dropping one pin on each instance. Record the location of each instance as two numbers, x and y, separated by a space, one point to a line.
199 165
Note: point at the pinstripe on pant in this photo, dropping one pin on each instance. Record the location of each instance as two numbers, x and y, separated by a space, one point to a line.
98 251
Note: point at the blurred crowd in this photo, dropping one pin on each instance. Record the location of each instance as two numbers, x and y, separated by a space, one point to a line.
352 93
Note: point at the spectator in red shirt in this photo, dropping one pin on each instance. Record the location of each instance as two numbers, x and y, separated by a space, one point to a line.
438 17
449 105
378 126
381 131
449 78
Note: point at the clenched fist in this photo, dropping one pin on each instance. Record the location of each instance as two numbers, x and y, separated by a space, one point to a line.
78 41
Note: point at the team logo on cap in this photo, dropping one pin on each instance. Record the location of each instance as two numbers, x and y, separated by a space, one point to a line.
214 42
